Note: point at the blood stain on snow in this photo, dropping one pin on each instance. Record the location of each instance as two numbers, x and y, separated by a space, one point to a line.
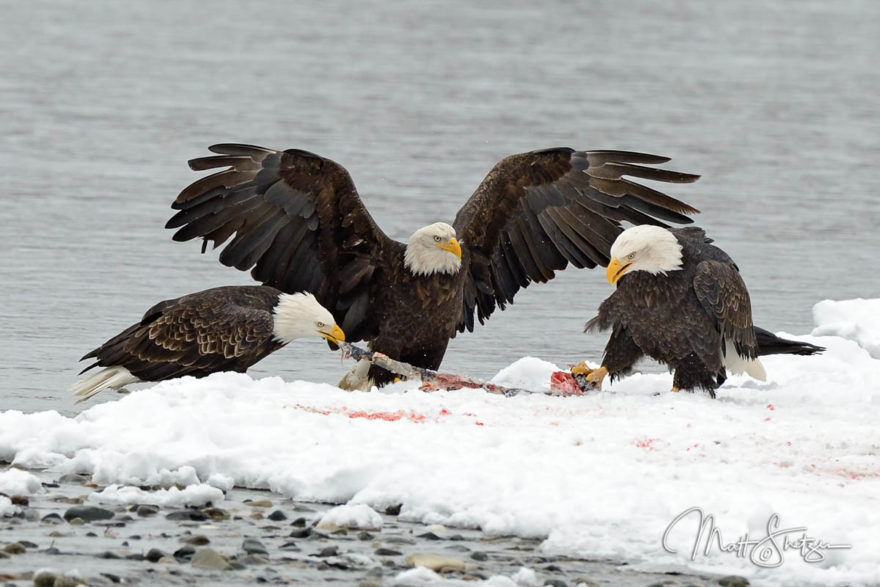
646 443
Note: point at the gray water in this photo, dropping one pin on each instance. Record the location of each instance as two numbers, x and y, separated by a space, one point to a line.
776 103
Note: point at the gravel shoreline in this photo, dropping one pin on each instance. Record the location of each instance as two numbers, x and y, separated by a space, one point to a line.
61 538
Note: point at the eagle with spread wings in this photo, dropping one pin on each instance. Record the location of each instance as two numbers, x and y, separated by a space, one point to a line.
296 221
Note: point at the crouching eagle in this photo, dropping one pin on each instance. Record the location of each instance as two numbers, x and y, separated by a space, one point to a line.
219 329
681 301
296 220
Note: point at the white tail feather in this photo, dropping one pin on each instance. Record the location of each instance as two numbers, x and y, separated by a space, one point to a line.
108 378
737 364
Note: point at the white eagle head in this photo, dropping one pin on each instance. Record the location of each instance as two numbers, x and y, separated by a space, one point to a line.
300 315
433 249
644 248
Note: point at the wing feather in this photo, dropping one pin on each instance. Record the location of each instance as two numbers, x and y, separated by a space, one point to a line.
294 218
723 294
536 212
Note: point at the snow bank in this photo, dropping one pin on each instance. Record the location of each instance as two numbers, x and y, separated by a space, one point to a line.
18 482
857 320
359 516
6 507
197 495
601 475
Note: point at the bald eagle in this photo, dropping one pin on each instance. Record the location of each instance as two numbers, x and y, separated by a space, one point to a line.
299 225
220 329
681 301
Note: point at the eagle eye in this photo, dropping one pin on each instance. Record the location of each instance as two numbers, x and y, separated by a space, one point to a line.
320 324
437 238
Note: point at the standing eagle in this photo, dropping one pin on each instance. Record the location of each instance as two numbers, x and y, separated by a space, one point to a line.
219 329
681 301
300 225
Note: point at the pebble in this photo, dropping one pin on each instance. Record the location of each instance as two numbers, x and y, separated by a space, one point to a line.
277 516
145 511
87 513
216 513
19 500
387 552
66 499
434 562
329 551
393 510
184 553
197 540
259 503
209 559
188 515
68 581
733 581
300 522
75 478
300 533
44 579
479 556
428 536
154 554
253 546
14 548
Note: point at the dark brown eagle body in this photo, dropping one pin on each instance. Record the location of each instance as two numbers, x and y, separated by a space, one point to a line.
221 329
399 306
297 222
697 320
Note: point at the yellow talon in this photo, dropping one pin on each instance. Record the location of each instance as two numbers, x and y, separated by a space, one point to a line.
580 369
593 376
675 389
596 376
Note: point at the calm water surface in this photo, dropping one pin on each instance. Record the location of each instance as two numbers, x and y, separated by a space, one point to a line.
773 102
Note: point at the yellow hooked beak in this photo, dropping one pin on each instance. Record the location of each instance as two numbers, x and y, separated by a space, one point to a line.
616 270
453 247
336 335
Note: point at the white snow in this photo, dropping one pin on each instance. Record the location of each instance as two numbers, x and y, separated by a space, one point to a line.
600 475
18 482
198 495
857 320
6 507
359 516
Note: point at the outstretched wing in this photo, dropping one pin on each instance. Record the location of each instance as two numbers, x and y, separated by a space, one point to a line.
723 294
296 221
537 212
